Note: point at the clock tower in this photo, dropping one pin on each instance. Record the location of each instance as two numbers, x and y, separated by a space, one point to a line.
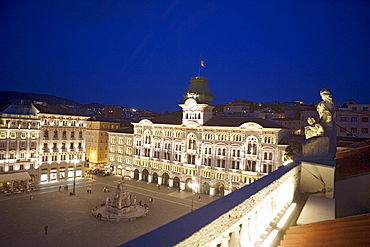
198 101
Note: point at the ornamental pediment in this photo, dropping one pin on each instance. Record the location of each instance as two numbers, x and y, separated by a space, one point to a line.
251 126
146 122
191 125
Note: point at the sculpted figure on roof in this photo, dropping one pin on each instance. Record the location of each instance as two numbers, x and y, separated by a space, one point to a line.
320 140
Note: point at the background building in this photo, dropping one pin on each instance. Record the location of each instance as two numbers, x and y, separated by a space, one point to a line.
19 146
62 143
97 142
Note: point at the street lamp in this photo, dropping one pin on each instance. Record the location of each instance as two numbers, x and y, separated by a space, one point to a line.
193 185
75 161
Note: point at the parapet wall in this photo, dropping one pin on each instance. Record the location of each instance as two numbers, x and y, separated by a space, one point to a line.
256 205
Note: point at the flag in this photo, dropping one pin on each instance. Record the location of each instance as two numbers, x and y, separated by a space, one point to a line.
202 63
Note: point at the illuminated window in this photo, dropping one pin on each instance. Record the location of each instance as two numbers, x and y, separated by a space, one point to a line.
252 145
192 142
147 137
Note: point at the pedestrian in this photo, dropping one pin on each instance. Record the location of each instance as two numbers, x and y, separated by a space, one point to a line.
199 199
87 190
150 200
60 187
90 190
31 196
46 229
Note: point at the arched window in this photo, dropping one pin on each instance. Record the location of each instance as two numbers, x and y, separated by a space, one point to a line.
147 137
252 145
192 142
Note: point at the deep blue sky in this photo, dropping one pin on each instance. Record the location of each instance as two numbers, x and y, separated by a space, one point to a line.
142 54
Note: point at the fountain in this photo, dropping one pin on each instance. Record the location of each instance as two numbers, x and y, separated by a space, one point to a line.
121 208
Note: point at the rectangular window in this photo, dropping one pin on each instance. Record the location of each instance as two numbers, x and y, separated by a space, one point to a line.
365 119
353 130
21 167
191 159
11 168
353 119
364 130
342 129
365 108
343 119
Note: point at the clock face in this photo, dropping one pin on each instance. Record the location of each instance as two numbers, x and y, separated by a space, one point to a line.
192 105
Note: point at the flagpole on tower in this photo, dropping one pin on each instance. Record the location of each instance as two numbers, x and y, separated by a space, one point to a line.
201 64
200 61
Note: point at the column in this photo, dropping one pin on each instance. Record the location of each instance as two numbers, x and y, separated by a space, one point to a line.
170 182
244 234
225 241
159 180
132 174
150 178
182 185
140 176
212 191
235 237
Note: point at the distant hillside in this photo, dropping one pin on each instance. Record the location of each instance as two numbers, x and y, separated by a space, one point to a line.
9 97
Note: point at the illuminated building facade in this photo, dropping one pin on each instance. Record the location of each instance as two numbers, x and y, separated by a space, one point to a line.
97 142
220 154
62 144
19 142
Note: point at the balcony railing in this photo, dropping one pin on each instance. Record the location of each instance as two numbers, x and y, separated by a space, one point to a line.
238 219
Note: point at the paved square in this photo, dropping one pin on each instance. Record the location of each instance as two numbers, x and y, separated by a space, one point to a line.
69 218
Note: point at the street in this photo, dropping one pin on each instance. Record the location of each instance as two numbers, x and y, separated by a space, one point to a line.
69 218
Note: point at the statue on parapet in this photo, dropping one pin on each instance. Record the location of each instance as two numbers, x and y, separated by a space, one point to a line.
320 135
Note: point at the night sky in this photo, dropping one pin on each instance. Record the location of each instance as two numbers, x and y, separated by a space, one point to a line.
141 54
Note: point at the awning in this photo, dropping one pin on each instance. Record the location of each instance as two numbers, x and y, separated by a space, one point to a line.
19 176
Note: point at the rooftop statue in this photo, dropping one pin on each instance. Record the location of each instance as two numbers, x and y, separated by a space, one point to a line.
320 135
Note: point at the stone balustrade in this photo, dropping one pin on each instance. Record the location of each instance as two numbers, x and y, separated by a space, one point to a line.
241 218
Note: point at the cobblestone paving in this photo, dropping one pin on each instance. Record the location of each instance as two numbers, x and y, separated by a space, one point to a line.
69 218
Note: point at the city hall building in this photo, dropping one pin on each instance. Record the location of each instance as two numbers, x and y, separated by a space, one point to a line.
198 151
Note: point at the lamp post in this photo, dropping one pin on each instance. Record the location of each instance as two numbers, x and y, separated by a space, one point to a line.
75 161
193 185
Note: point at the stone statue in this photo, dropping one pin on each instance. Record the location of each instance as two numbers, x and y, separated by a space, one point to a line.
121 197
314 129
320 135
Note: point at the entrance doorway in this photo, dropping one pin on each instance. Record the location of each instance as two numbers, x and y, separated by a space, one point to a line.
145 175
136 174
176 182
155 178
165 179
219 189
